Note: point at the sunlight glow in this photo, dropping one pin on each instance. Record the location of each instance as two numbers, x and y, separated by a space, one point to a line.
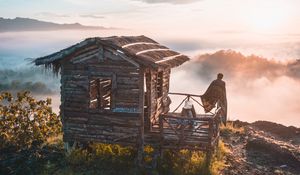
267 16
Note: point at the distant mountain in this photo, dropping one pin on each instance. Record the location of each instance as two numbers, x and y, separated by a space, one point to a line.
26 24
294 68
249 67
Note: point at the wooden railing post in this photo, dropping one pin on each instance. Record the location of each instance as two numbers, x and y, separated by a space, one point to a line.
211 130
209 150
161 132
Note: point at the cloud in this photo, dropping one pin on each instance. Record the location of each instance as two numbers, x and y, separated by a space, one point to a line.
294 69
257 88
169 1
238 66
32 79
92 16
49 14
184 45
82 2
229 31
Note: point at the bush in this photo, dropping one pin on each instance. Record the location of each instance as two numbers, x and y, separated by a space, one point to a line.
25 121
183 162
218 160
115 159
101 159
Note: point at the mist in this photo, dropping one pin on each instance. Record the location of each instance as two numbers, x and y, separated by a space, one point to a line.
257 88
17 51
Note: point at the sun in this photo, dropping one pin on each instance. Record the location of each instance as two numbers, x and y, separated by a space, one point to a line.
265 16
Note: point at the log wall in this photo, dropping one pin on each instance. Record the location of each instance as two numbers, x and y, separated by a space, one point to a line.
154 101
122 124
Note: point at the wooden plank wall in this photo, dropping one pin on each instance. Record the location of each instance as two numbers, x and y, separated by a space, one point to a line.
122 124
155 107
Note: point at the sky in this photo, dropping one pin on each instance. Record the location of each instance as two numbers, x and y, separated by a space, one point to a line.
169 18
213 23
268 28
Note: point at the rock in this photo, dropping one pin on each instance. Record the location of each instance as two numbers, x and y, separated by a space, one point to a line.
283 166
259 167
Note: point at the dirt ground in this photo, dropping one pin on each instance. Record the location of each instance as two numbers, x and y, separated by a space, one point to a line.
260 152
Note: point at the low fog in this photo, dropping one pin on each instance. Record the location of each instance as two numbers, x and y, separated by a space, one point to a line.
257 88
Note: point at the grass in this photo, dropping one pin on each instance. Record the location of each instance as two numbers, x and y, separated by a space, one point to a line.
230 128
218 162
114 159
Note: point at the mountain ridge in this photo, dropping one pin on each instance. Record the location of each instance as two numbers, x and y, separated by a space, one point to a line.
20 24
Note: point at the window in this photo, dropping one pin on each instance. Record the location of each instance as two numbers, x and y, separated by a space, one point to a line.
159 84
101 93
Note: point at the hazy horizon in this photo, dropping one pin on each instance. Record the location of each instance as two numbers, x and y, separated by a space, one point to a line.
183 78
268 29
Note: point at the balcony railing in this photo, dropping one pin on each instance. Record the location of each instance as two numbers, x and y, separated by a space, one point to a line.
200 132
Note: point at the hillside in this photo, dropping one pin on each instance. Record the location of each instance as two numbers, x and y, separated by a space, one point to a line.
245 148
26 24
261 148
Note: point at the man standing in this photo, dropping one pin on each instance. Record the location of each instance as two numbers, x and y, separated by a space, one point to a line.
216 94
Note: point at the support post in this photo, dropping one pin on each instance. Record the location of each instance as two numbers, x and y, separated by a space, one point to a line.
208 157
210 139
161 130
141 130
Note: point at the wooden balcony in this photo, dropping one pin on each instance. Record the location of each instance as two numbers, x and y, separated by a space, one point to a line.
178 132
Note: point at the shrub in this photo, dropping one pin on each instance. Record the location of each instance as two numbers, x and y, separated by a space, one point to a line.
25 121
192 162
101 159
218 162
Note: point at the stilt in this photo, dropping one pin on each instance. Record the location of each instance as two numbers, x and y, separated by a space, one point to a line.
140 155
156 154
161 153
208 157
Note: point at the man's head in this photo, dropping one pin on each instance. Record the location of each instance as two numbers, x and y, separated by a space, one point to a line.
220 76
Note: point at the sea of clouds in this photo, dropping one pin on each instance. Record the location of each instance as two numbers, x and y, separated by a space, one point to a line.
261 87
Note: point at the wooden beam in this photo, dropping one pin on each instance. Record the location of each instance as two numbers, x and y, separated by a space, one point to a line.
123 56
151 50
101 53
141 108
85 56
168 58
194 95
138 43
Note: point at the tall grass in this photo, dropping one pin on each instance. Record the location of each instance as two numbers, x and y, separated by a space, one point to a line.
114 159
230 128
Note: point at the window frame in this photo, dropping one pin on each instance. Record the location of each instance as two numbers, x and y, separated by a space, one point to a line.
112 95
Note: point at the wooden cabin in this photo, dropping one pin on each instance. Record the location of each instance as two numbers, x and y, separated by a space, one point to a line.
115 90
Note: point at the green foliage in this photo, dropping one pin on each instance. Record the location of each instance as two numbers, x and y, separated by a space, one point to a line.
101 159
113 159
192 162
183 162
218 162
25 121
34 160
